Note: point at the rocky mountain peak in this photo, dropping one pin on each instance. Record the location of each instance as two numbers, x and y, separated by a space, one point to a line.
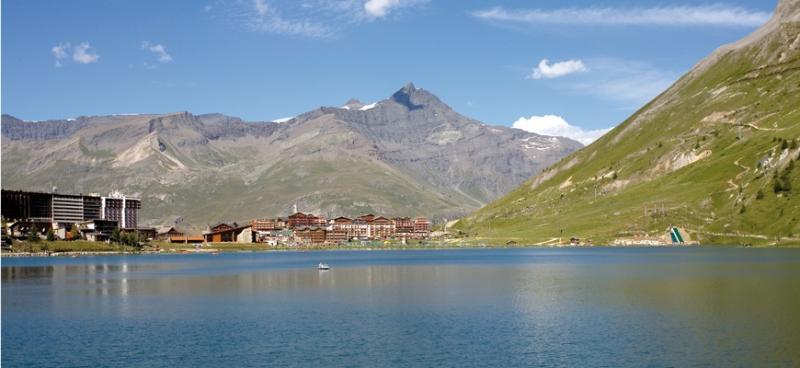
409 87
353 104
415 98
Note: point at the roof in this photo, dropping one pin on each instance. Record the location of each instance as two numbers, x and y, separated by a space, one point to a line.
166 229
227 230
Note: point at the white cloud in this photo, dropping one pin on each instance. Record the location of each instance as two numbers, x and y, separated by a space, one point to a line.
554 125
266 18
379 8
83 55
60 51
549 71
307 18
261 7
703 15
159 50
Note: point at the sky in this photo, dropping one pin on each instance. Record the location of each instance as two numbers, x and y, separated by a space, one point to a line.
560 67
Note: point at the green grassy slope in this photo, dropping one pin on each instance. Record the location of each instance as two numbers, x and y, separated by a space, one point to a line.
705 156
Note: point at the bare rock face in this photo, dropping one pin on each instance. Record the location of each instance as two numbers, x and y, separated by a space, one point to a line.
406 155
788 10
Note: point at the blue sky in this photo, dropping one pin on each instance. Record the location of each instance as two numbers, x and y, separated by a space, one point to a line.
540 64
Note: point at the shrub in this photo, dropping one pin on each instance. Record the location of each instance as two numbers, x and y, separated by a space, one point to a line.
760 194
75 234
51 236
115 236
33 234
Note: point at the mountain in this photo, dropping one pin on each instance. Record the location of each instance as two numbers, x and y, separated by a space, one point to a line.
410 154
713 154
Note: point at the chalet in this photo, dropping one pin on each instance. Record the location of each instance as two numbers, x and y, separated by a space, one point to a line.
222 227
223 233
166 232
97 230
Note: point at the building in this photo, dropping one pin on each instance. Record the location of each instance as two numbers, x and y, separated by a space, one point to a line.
381 228
222 227
422 227
60 212
224 233
300 219
122 209
275 237
167 232
366 227
404 227
310 235
27 206
268 224
336 237
97 230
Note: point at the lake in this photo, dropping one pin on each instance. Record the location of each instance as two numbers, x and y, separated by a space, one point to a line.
599 307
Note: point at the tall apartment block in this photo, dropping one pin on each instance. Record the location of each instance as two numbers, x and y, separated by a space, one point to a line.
63 210
122 209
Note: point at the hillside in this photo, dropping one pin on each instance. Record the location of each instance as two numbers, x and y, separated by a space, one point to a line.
714 154
409 154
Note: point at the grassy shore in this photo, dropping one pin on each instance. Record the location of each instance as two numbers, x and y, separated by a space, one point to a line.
82 246
60 246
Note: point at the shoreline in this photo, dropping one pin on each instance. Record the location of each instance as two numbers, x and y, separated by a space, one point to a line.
217 251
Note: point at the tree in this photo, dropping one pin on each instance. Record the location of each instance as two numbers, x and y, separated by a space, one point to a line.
33 234
75 234
115 236
133 240
51 236
777 186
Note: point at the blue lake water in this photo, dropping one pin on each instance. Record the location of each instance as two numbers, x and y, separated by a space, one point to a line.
603 307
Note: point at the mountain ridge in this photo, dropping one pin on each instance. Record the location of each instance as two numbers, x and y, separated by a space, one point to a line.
415 156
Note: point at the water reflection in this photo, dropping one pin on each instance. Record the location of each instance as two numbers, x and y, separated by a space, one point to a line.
500 308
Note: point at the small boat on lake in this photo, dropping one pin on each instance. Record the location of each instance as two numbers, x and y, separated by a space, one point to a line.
322 266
